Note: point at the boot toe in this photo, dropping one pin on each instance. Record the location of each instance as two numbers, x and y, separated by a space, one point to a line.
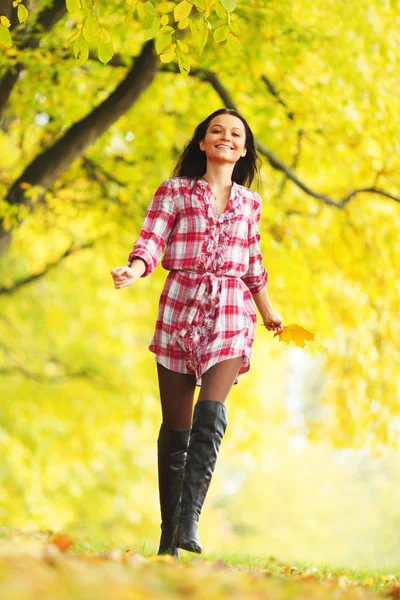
188 536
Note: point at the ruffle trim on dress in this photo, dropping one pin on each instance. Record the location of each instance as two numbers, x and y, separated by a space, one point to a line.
216 238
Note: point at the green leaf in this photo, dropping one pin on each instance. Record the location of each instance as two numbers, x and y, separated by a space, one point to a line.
104 35
84 54
142 10
184 64
162 41
220 10
5 36
169 54
148 22
234 44
73 5
183 23
81 50
165 7
105 51
183 47
150 8
6 22
229 5
221 33
153 30
22 13
89 28
199 33
182 10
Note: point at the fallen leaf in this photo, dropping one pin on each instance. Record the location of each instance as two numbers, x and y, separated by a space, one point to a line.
62 541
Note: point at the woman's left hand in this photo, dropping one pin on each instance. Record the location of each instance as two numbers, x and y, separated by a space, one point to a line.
273 322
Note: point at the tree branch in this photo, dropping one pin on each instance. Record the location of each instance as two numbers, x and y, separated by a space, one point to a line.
273 159
294 164
35 276
275 162
47 167
277 95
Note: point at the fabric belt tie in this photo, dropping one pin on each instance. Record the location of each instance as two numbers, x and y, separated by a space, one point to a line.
209 286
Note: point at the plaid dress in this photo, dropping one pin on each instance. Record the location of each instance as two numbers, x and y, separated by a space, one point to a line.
206 312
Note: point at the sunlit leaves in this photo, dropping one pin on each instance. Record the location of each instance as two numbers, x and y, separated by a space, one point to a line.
221 34
73 6
90 26
182 10
229 5
234 44
81 50
5 36
220 10
23 13
5 21
168 54
199 15
199 30
164 38
89 31
105 51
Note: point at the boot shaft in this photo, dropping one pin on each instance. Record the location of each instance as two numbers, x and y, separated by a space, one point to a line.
208 428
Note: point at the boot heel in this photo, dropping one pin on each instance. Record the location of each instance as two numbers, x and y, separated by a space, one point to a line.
188 535
172 446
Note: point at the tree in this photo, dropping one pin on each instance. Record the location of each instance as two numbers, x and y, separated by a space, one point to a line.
81 141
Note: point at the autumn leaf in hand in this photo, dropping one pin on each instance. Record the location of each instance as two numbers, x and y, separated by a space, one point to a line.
297 333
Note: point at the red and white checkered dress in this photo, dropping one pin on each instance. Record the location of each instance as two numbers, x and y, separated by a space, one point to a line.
206 312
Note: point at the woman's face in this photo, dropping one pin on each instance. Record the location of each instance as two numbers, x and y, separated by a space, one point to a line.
225 139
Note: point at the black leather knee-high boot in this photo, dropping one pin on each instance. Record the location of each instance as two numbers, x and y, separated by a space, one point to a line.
171 453
208 429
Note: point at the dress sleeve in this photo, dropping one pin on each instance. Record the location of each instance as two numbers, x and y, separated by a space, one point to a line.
256 277
156 229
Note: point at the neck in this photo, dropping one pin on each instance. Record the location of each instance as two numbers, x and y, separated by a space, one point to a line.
219 176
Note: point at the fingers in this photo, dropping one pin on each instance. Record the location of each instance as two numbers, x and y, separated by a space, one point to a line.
118 271
275 327
120 279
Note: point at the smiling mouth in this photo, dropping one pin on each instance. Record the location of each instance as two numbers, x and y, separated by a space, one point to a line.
223 147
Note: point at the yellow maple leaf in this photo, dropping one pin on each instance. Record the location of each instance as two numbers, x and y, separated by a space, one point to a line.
297 333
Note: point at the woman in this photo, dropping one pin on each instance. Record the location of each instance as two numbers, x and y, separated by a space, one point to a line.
209 223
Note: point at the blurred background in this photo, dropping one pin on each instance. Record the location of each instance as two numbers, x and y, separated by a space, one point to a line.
309 468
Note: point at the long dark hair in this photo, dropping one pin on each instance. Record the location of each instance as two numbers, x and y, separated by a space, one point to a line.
193 161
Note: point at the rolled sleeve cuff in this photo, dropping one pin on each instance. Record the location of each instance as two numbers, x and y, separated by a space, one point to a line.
144 255
254 284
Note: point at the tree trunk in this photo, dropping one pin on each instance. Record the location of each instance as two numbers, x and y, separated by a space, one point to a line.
46 168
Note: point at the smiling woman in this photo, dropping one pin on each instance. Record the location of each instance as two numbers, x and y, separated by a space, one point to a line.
208 220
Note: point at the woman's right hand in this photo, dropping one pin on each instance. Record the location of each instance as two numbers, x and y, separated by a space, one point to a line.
123 276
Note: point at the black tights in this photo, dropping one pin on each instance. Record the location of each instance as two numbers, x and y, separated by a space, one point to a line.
177 390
